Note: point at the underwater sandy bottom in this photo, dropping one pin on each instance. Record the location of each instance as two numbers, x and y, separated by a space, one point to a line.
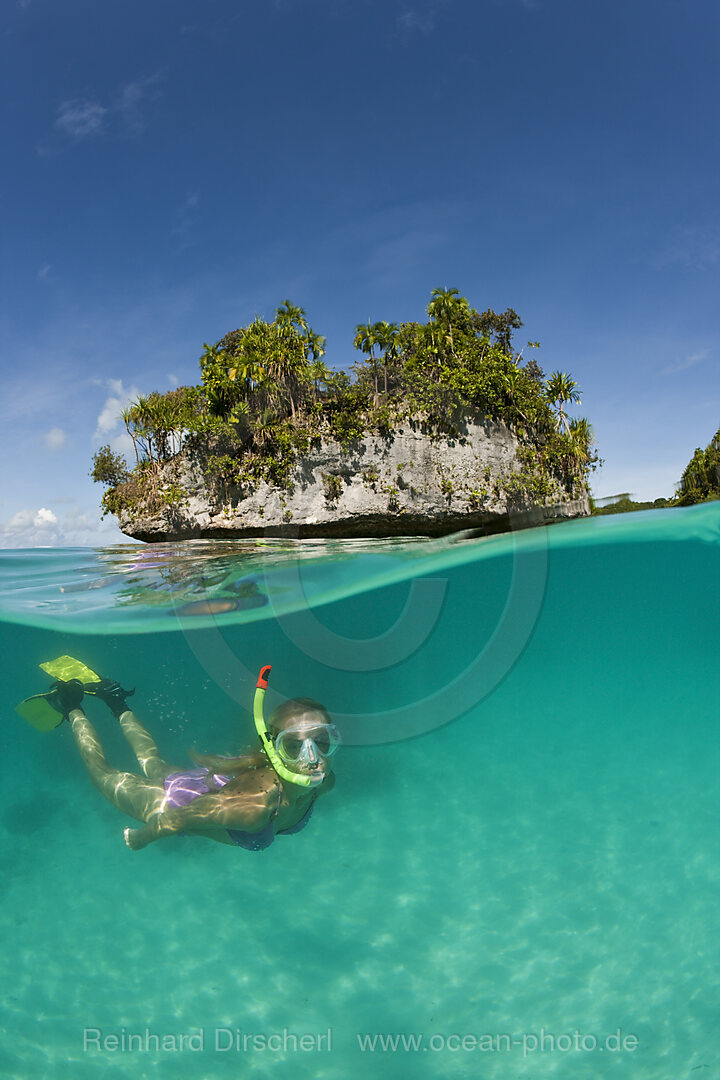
566 883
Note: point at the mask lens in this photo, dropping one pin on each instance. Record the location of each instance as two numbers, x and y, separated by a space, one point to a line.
321 739
291 747
289 743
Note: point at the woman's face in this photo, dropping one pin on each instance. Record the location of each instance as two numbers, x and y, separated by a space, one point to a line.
306 743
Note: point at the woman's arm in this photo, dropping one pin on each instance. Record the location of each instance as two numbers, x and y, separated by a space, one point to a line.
216 810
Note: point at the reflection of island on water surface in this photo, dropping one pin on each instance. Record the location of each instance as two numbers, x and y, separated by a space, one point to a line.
209 577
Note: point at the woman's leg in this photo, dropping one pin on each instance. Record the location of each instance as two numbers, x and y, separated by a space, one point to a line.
143 747
134 795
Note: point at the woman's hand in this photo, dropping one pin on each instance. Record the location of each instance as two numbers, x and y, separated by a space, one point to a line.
140 838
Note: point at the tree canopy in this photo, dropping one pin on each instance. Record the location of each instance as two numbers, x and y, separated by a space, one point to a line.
701 477
265 394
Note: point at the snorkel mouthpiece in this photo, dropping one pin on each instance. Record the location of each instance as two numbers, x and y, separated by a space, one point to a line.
266 738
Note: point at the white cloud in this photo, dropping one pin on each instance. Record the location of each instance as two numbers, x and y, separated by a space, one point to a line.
29 523
110 417
43 273
688 362
87 118
44 517
22 520
77 527
55 438
80 118
420 18
123 444
132 96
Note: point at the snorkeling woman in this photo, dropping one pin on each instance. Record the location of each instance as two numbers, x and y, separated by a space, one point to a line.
243 801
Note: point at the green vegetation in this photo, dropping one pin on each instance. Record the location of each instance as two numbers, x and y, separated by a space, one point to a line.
623 504
701 478
700 483
266 397
333 487
109 468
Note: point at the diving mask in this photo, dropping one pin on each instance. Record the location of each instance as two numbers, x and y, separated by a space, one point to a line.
304 744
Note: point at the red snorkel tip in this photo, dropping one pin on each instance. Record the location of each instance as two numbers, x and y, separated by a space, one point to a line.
263 677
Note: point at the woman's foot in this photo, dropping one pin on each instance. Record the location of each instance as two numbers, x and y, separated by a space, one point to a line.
67 696
113 695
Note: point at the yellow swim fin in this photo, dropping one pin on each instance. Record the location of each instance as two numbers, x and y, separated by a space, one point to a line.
44 711
67 667
39 712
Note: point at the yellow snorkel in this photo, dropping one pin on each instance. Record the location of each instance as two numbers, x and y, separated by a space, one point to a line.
304 779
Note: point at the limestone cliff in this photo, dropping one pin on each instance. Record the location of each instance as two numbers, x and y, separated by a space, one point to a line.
407 483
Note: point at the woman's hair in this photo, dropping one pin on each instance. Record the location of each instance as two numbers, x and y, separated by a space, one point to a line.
290 712
294 711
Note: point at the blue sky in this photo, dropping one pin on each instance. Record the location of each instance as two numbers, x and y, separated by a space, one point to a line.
173 168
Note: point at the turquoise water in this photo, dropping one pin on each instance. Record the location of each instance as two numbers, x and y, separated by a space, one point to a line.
521 848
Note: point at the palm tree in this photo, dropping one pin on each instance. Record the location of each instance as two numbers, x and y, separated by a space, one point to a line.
581 439
561 389
365 341
581 435
315 349
292 316
319 372
314 345
162 422
291 319
264 428
240 412
142 416
445 307
214 364
433 344
212 355
249 372
385 335
443 303
128 419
